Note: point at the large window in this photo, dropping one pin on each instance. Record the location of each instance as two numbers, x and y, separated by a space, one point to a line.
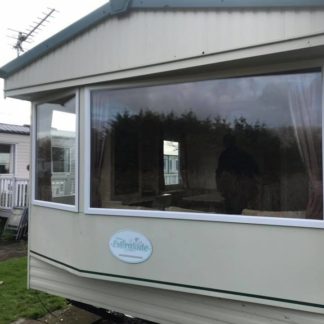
237 146
56 151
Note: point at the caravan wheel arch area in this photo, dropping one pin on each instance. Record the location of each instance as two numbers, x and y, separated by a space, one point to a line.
177 160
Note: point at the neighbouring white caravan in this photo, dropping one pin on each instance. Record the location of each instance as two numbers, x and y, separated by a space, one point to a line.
190 138
14 166
15 150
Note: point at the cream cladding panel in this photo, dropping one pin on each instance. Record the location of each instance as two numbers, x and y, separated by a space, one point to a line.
209 258
145 38
160 306
21 154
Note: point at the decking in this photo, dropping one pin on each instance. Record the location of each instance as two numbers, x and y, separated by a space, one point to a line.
13 192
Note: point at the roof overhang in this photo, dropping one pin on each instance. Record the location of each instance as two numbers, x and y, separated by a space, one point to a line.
119 7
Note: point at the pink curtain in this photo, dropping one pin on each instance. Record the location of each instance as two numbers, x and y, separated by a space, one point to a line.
303 103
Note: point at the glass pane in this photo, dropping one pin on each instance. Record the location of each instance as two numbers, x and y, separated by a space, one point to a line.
5 166
61 159
55 151
249 145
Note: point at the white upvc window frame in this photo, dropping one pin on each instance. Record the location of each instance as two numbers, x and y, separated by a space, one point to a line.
50 204
224 218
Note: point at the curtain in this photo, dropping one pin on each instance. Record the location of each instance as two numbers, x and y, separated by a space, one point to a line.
44 166
99 132
44 153
306 117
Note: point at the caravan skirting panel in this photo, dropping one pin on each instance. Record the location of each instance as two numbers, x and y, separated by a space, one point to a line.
158 305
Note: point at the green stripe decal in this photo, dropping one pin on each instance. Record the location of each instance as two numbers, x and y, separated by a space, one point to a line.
181 285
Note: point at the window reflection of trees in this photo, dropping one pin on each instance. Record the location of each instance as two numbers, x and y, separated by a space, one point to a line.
137 154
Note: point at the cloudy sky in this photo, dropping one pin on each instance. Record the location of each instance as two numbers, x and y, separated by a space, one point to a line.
18 15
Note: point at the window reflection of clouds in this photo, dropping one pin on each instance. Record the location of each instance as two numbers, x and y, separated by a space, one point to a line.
63 121
263 99
57 116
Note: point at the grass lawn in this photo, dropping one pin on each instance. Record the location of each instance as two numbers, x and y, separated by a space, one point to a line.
18 302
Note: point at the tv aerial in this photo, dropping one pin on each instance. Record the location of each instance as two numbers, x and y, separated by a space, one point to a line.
31 31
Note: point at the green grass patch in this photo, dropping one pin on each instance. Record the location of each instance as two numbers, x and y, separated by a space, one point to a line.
16 301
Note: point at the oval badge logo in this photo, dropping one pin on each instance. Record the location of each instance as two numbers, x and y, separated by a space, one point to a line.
130 246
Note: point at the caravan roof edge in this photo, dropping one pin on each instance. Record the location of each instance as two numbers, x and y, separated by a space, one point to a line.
119 7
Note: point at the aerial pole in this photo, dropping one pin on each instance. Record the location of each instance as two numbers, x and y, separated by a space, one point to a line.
24 37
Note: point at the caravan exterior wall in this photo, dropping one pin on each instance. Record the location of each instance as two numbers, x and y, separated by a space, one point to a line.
136 44
206 261
20 153
221 257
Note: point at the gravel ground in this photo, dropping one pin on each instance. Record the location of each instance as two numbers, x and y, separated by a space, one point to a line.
12 249
75 315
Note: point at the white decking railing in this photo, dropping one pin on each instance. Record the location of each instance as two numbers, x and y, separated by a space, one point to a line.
13 192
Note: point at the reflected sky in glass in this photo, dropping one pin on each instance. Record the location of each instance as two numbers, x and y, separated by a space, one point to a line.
262 99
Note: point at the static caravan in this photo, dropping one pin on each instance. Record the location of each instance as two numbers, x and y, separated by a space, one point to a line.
190 139
14 150
14 166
